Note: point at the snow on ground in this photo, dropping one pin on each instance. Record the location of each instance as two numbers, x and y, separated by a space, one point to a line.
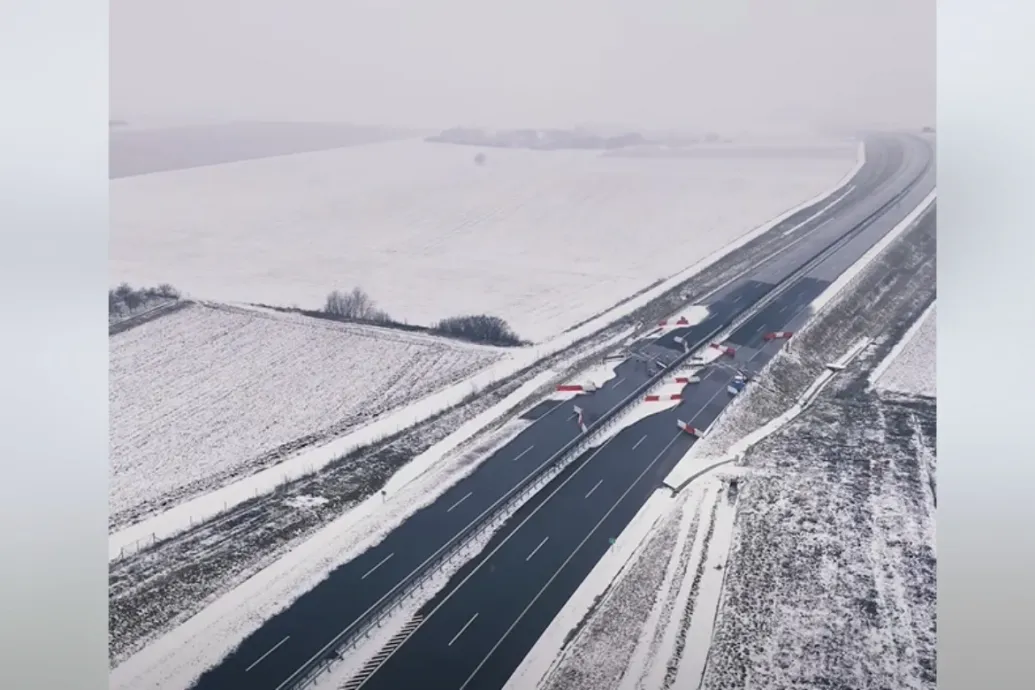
832 577
910 367
306 501
541 239
203 394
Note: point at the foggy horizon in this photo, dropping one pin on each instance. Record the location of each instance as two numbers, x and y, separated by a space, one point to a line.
752 66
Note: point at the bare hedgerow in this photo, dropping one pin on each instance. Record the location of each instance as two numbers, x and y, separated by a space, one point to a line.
356 305
125 299
359 306
479 328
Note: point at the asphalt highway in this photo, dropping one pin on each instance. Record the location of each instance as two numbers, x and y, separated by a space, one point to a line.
476 631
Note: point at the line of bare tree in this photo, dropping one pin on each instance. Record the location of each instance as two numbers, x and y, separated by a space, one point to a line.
358 306
126 299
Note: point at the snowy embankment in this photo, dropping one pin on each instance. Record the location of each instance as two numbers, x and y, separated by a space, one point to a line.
541 239
204 395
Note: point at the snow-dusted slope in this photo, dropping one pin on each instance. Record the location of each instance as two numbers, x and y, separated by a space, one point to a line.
202 395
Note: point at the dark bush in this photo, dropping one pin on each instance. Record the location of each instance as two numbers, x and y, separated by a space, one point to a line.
479 328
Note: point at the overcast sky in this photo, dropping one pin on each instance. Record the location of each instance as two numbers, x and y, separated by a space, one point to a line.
717 64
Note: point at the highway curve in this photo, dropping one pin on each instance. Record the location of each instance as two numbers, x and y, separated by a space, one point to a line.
476 631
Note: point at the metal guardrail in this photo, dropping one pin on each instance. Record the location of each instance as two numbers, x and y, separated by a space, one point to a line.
500 511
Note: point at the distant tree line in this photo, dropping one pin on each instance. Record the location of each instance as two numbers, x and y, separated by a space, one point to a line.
125 299
357 306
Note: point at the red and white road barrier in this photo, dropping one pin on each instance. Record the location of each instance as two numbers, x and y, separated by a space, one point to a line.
587 387
724 349
694 431
681 321
778 335
662 398
581 422
687 379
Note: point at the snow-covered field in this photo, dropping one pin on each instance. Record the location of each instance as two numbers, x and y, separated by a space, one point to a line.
912 369
542 239
832 571
204 394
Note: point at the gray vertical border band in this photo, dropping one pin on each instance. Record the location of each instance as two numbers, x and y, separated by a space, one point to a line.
986 312
53 344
